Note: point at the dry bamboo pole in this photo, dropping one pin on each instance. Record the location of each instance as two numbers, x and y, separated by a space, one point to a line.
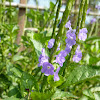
21 23
42 8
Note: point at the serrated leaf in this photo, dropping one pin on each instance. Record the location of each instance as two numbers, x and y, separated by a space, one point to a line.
61 94
40 96
80 74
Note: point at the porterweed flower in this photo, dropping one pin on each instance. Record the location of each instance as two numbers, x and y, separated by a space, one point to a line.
71 37
93 20
97 7
30 20
47 69
56 77
68 25
88 11
43 58
10 54
68 48
51 43
78 55
82 34
60 58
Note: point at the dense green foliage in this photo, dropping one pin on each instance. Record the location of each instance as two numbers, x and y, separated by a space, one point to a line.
20 76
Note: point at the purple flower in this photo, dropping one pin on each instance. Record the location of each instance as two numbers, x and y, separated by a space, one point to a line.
47 69
51 43
68 25
9 54
58 48
68 48
56 77
30 20
60 58
82 34
62 53
78 55
76 58
93 20
6 11
97 7
43 58
71 37
88 11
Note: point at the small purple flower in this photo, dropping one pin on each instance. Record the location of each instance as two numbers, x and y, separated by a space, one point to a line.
47 69
93 20
68 25
78 55
82 34
58 48
68 48
43 58
71 37
60 58
76 58
97 7
56 77
88 11
51 43
30 20
9 54
62 53
6 11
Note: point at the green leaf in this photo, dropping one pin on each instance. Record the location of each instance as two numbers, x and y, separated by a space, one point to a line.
41 96
61 94
81 73
51 5
17 57
88 93
16 71
38 47
27 82
56 83
93 38
12 98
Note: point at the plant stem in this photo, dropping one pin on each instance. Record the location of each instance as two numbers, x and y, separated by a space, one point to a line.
56 19
50 15
80 16
63 22
84 13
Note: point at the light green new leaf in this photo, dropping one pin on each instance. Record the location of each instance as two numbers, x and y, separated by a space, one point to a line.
41 96
81 73
17 57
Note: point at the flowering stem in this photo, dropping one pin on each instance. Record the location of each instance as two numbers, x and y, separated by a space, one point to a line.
92 28
56 19
84 13
80 16
63 22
